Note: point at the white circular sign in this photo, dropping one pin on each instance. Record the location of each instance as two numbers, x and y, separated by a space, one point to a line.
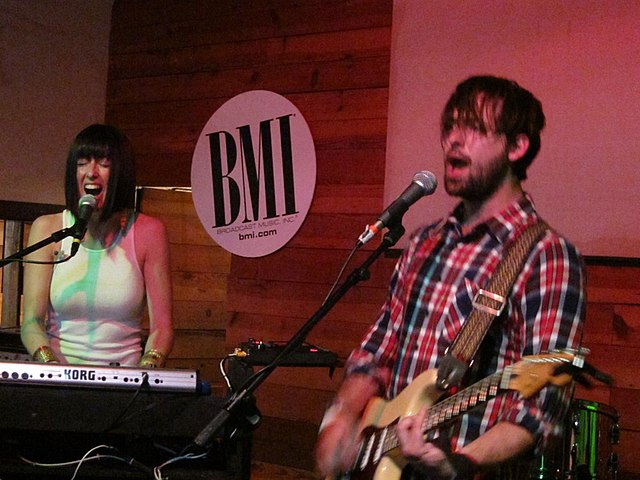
253 173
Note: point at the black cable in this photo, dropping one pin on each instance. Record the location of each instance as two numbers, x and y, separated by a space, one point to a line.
120 419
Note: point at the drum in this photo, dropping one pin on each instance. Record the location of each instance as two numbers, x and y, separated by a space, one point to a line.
554 462
584 451
594 428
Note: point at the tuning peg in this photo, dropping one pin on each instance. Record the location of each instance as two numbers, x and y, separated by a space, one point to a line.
600 376
574 371
581 379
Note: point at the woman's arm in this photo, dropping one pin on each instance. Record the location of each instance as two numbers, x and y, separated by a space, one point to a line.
37 281
152 238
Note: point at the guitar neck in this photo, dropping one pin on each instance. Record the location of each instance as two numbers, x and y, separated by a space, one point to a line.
467 399
456 405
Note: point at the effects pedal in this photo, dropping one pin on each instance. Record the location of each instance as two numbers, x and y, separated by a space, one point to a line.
263 353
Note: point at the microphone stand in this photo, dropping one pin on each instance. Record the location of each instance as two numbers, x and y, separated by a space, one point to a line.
240 397
54 237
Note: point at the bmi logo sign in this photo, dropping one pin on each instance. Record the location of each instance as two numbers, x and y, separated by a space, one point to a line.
253 173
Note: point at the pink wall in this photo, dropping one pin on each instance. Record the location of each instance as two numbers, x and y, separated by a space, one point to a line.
582 60
53 81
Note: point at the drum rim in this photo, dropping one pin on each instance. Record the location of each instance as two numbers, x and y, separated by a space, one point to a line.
597 407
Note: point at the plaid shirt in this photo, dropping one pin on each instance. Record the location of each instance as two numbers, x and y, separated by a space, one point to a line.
430 296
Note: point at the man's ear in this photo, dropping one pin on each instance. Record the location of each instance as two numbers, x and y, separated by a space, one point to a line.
518 148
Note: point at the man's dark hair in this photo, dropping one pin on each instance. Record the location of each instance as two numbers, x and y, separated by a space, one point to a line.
103 141
498 105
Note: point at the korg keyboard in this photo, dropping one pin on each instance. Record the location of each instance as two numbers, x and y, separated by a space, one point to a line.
94 376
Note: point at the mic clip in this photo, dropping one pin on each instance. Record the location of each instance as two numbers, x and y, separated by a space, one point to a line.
369 232
394 231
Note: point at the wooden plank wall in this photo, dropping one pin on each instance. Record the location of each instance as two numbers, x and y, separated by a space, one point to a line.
199 272
172 64
611 333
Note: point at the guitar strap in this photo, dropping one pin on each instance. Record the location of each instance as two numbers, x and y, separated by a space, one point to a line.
487 304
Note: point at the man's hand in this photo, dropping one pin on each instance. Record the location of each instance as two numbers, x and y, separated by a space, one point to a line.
337 445
338 440
422 455
500 443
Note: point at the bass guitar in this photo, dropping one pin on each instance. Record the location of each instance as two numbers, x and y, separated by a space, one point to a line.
379 455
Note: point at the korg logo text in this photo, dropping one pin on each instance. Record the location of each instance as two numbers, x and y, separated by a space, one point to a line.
72 374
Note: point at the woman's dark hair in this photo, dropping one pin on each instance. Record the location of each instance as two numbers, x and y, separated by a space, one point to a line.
103 141
510 110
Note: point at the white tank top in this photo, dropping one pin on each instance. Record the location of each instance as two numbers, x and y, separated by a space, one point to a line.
96 302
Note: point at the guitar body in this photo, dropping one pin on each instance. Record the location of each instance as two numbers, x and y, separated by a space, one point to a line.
381 413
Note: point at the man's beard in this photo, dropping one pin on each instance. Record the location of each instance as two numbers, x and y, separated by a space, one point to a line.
482 181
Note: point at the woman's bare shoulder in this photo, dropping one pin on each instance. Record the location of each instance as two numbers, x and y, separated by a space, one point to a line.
45 226
149 227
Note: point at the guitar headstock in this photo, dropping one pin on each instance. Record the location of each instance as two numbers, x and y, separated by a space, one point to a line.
534 372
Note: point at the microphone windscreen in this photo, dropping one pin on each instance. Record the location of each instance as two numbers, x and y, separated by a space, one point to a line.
427 180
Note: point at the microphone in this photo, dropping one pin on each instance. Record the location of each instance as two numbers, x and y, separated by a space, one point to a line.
85 208
423 183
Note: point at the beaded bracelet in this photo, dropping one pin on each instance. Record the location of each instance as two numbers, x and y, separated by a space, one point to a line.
152 359
44 354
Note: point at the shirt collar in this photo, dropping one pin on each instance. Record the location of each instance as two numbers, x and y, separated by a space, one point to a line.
512 219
